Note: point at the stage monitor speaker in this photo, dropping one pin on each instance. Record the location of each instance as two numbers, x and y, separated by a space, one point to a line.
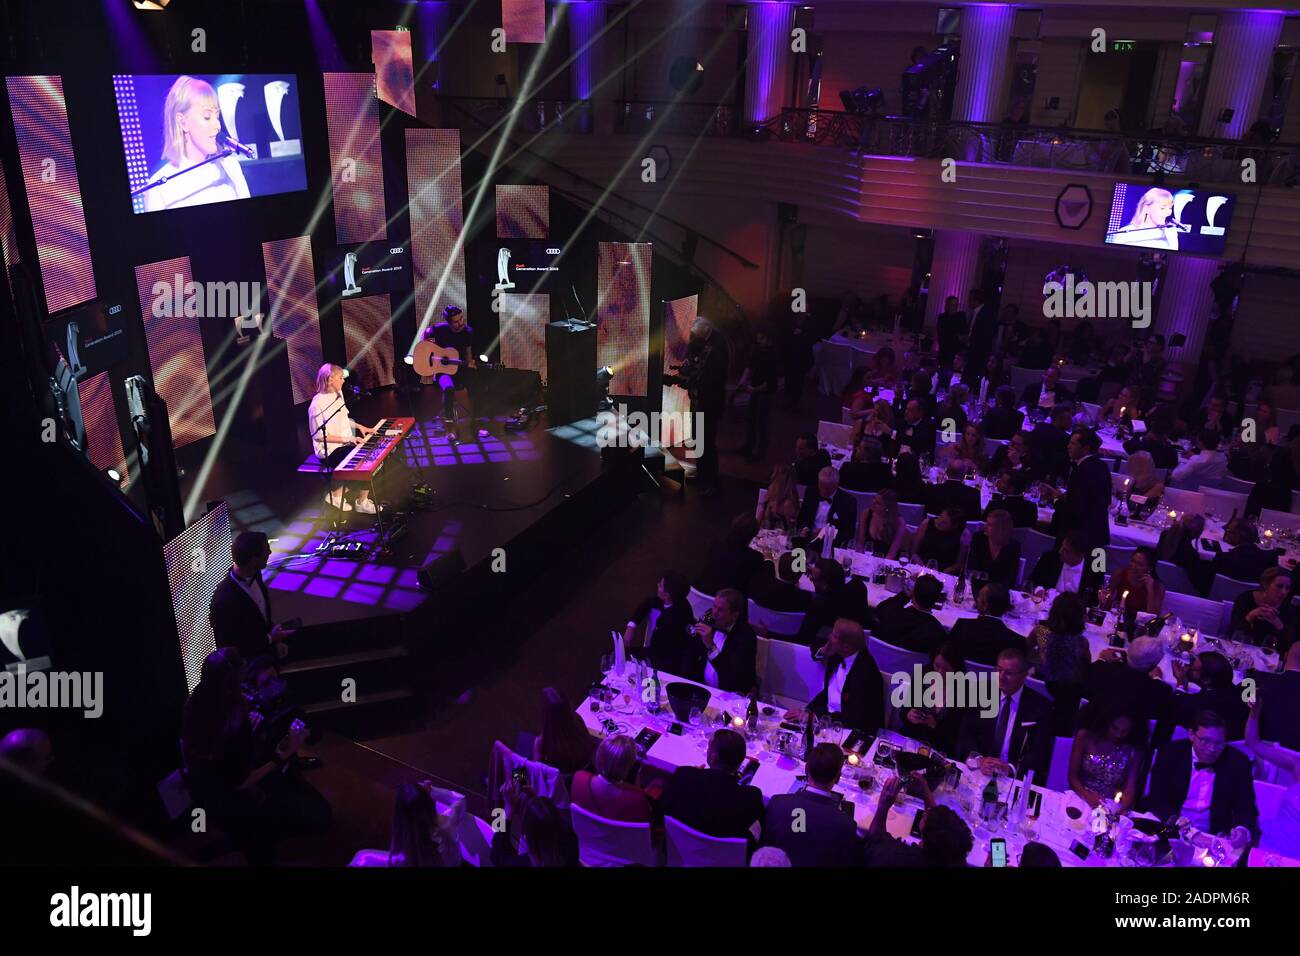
441 571
570 371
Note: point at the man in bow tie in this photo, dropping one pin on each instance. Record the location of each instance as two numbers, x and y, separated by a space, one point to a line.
1206 781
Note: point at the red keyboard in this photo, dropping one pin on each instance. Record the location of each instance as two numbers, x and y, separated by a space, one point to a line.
364 461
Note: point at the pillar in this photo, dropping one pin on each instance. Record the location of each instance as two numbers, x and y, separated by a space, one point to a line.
985 62
767 65
1244 41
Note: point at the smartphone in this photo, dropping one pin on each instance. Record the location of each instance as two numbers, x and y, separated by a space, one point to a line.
916 823
858 742
675 729
748 769
998 850
520 776
1079 850
645 740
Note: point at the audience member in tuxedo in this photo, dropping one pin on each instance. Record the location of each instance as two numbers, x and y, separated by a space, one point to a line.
944 540
938 726
535 823
1205 467
981 639
950 414
1265 615
1010 497
916 433
667 619
1140 582
833 598
1048 393
994 372
1108 755
1176 545
1066 568
994 553
952 329
908 483
866 471
730 647
1019 737
1203 779
907 622
1215 417
1211 672
946 840
814 826
1083 510
776 586
983 327
1133 677
240 610
809 459
1155 441
421 836
1281 695
953 492
240 767
1016 457
1060 656
1245 562
564 743
827 509
780 509
853 691
711 799
953 374
731 562
881 529
1049 443
612 791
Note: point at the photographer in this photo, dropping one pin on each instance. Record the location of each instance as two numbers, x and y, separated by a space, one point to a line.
240 769
704 376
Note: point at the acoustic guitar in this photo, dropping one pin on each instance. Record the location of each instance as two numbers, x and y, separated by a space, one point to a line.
429 358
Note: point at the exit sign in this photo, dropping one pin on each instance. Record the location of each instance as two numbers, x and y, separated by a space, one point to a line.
1123 46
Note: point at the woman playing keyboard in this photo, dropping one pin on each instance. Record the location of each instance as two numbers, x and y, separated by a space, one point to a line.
334 434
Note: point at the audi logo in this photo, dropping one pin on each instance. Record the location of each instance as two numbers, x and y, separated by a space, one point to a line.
396 252
552 252
114 309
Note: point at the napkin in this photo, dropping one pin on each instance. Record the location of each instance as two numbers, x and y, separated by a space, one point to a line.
620 655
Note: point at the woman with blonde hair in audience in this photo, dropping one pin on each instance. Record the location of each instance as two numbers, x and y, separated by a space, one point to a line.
780 509
612 792
880 528
967 452
877 421
1142 477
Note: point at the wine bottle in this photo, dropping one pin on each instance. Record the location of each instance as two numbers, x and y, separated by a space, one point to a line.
809 735
1156 625
989 799
751 713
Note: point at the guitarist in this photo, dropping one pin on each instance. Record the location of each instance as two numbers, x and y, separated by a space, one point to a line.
453 332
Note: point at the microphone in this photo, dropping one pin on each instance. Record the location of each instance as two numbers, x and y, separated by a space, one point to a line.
1171 221
238 147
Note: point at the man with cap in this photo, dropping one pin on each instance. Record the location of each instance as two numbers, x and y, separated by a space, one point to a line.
454 332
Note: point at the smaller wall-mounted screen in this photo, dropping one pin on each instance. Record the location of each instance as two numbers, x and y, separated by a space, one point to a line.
1173 220
172 123
368 268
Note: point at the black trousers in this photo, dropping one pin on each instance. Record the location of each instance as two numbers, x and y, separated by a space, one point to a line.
706 465
756 423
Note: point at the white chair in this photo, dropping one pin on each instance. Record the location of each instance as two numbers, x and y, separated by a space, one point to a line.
475 841
1020 573
699 602
1228 483
991 445
1038 687
687 847
603 842
1268 799
1021 377
1224 588
1118 556
833 433
1058 771
792 677
1278 519
778 623
1033 545
912 514
1198 612
1221 504
863 498
846 415
834 364
1225 619
1174 578
892 660
1182 500
1091 410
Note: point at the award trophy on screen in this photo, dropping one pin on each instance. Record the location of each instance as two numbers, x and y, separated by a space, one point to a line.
228 97
74 357
274 93
503 270
350 274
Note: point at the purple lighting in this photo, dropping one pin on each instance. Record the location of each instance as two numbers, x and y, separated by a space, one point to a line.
982 69
128 36
327 51
767 66
586 19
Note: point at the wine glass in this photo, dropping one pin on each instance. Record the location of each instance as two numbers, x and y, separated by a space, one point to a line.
973 760
606 663
696 718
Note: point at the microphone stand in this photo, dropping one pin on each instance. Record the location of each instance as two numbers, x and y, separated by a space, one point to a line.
221 154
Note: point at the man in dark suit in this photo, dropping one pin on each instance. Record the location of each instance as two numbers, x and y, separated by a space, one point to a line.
981 639
815 825
1019 737
867 471
908 622
1128 679
1280 696
1246 562
712 800
1156 440
1067 568
853 690
730 647
1084 510
1011 498
825 505
1212 673
916 433
1048 393
1049 445
952 326
1003 420
983 328
776 586
240 611
952 492
809 459
1206 781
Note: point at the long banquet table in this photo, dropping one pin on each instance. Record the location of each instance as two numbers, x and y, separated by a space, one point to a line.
779 772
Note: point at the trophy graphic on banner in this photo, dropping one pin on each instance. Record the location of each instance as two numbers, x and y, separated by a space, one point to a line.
228 97
74 355
503 270
275 92
350 274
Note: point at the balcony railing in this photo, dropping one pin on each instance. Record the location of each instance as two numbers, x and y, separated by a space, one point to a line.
1038 147
569 116
675 119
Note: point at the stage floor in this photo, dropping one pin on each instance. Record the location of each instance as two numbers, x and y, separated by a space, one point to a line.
486 493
